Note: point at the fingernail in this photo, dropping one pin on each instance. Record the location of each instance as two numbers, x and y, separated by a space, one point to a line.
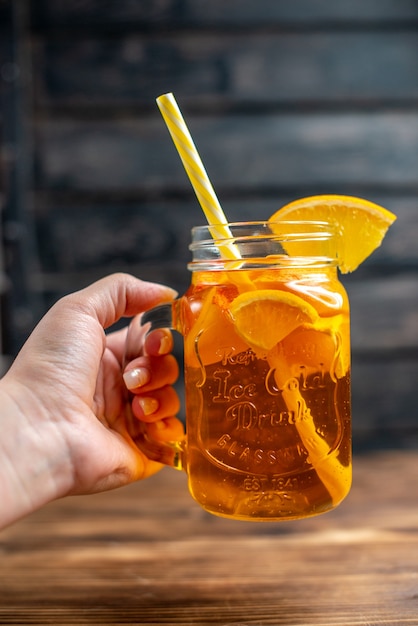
165 344
137 377
148 405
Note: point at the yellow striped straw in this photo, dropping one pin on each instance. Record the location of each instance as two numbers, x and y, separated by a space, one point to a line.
197 173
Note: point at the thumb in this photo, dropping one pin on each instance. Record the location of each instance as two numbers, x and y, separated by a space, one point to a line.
120 295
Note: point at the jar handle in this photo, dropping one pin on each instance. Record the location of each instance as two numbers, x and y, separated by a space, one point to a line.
167 453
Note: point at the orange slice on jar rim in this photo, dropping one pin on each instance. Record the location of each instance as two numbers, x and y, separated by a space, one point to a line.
360 225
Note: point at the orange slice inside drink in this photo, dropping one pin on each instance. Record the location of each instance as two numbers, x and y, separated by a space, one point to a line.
219 336
264 317
319 348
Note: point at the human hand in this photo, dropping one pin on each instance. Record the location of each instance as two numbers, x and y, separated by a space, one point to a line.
66 425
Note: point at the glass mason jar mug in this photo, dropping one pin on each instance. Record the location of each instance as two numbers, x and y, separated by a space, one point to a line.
266 333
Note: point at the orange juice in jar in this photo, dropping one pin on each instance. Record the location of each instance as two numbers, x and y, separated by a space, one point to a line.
267 372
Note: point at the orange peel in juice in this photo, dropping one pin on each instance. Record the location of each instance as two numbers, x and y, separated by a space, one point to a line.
360 225
264 317
219 335
318 349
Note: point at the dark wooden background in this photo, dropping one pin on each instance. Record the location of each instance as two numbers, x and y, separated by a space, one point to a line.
284 99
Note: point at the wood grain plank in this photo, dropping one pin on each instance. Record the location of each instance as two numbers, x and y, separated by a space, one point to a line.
383 401
229 68
217 12
384 313
93 236
148 554
273 151
304 11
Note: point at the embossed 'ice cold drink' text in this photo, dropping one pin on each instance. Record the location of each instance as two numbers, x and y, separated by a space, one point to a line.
268 431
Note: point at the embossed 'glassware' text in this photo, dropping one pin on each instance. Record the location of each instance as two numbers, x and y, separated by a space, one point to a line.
267 374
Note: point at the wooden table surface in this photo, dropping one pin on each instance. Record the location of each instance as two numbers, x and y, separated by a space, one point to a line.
147 554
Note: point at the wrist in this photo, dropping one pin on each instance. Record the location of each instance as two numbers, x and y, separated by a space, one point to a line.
35 468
